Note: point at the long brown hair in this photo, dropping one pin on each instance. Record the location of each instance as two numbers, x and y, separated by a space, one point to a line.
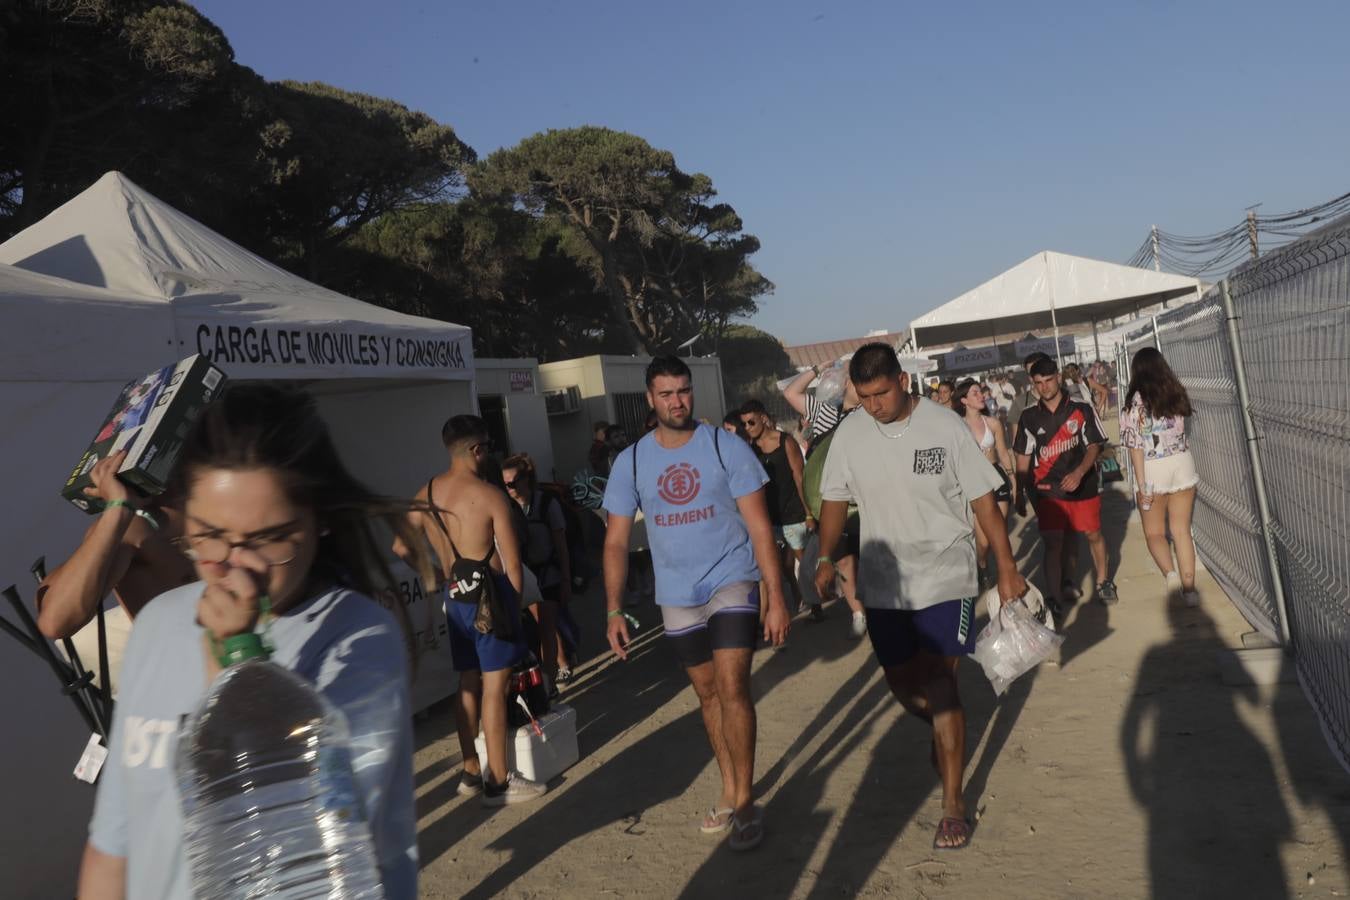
1154 381
266 427
958 401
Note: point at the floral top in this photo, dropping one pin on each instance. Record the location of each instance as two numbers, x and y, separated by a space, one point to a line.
1158 438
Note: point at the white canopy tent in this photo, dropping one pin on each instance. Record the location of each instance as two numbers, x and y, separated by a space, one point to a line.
1049 290
108 287
253 318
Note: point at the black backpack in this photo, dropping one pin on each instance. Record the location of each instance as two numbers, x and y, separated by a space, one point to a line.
578 547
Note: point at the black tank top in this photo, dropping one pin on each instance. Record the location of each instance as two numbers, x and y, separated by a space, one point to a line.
780 494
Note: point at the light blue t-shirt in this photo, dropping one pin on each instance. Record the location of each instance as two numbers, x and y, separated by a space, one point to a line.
688 496
343 642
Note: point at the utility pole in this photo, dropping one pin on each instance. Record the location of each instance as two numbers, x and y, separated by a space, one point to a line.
1157 264
1251 229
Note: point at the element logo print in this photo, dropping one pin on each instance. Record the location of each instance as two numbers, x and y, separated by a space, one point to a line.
678 484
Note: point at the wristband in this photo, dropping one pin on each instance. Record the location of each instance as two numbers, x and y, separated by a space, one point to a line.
631 620
823 561
113 504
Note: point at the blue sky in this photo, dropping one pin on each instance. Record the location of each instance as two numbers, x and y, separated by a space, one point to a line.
889 155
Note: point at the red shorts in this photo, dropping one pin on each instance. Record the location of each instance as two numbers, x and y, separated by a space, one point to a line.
1054 514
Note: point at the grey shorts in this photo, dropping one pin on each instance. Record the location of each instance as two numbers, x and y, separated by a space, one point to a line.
729 620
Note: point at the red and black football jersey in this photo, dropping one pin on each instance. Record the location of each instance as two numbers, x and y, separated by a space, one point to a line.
1056 442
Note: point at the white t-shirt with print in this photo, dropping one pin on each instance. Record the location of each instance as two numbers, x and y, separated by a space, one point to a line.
913 482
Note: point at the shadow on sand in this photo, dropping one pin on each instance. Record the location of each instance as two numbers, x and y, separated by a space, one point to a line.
1216 814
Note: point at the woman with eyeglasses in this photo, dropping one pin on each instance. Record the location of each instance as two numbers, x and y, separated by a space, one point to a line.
968 401
279 533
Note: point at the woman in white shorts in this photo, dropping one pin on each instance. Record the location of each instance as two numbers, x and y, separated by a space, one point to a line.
1153 428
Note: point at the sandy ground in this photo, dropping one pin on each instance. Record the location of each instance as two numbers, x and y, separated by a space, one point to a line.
1124 769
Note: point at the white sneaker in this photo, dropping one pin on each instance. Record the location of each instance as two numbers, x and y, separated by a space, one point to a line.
469 784
1173 580
1191 598
518 789
858 627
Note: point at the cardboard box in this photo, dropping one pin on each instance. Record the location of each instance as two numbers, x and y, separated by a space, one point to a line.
151 420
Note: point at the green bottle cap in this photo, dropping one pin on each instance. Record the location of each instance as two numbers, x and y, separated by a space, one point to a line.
240 647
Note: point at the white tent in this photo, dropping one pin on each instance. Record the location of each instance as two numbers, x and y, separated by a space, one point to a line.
1049 290
253 318
108 287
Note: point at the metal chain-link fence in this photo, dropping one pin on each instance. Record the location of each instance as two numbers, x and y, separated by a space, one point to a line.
1292 316
1294 309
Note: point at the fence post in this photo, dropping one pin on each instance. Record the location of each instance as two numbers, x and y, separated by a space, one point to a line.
1157 342
1122 380
1254 456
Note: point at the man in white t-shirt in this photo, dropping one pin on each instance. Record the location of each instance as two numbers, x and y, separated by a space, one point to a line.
918 478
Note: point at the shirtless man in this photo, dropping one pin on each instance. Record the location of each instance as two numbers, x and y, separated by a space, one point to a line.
122 553
468 523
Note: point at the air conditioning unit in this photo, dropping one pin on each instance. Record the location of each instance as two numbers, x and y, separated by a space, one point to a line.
563 402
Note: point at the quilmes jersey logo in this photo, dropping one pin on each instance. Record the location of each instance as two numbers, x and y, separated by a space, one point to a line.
679 484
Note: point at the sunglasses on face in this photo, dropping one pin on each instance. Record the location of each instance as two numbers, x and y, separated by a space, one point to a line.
518 484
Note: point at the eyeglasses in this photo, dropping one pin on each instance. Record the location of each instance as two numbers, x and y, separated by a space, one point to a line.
275 551
519 484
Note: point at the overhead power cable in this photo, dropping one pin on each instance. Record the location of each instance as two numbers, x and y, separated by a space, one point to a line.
1214 254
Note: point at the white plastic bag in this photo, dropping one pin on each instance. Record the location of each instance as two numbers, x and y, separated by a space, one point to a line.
806 573
1032 600
1013 643
830 386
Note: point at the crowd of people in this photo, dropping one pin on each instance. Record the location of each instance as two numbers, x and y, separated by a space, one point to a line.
894 502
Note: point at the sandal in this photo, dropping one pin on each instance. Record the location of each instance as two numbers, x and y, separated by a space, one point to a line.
717 821
956 832
746 835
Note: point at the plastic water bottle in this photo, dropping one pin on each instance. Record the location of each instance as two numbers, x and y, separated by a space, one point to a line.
270 802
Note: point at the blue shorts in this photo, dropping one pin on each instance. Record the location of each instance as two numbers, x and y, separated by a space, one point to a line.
471 651
898 635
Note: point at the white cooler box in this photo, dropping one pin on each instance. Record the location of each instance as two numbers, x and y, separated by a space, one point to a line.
542 759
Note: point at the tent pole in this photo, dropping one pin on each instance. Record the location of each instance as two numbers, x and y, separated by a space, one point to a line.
1096 345
1054 321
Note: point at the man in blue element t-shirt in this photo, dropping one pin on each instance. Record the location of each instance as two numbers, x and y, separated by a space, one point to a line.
702 494
919 479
